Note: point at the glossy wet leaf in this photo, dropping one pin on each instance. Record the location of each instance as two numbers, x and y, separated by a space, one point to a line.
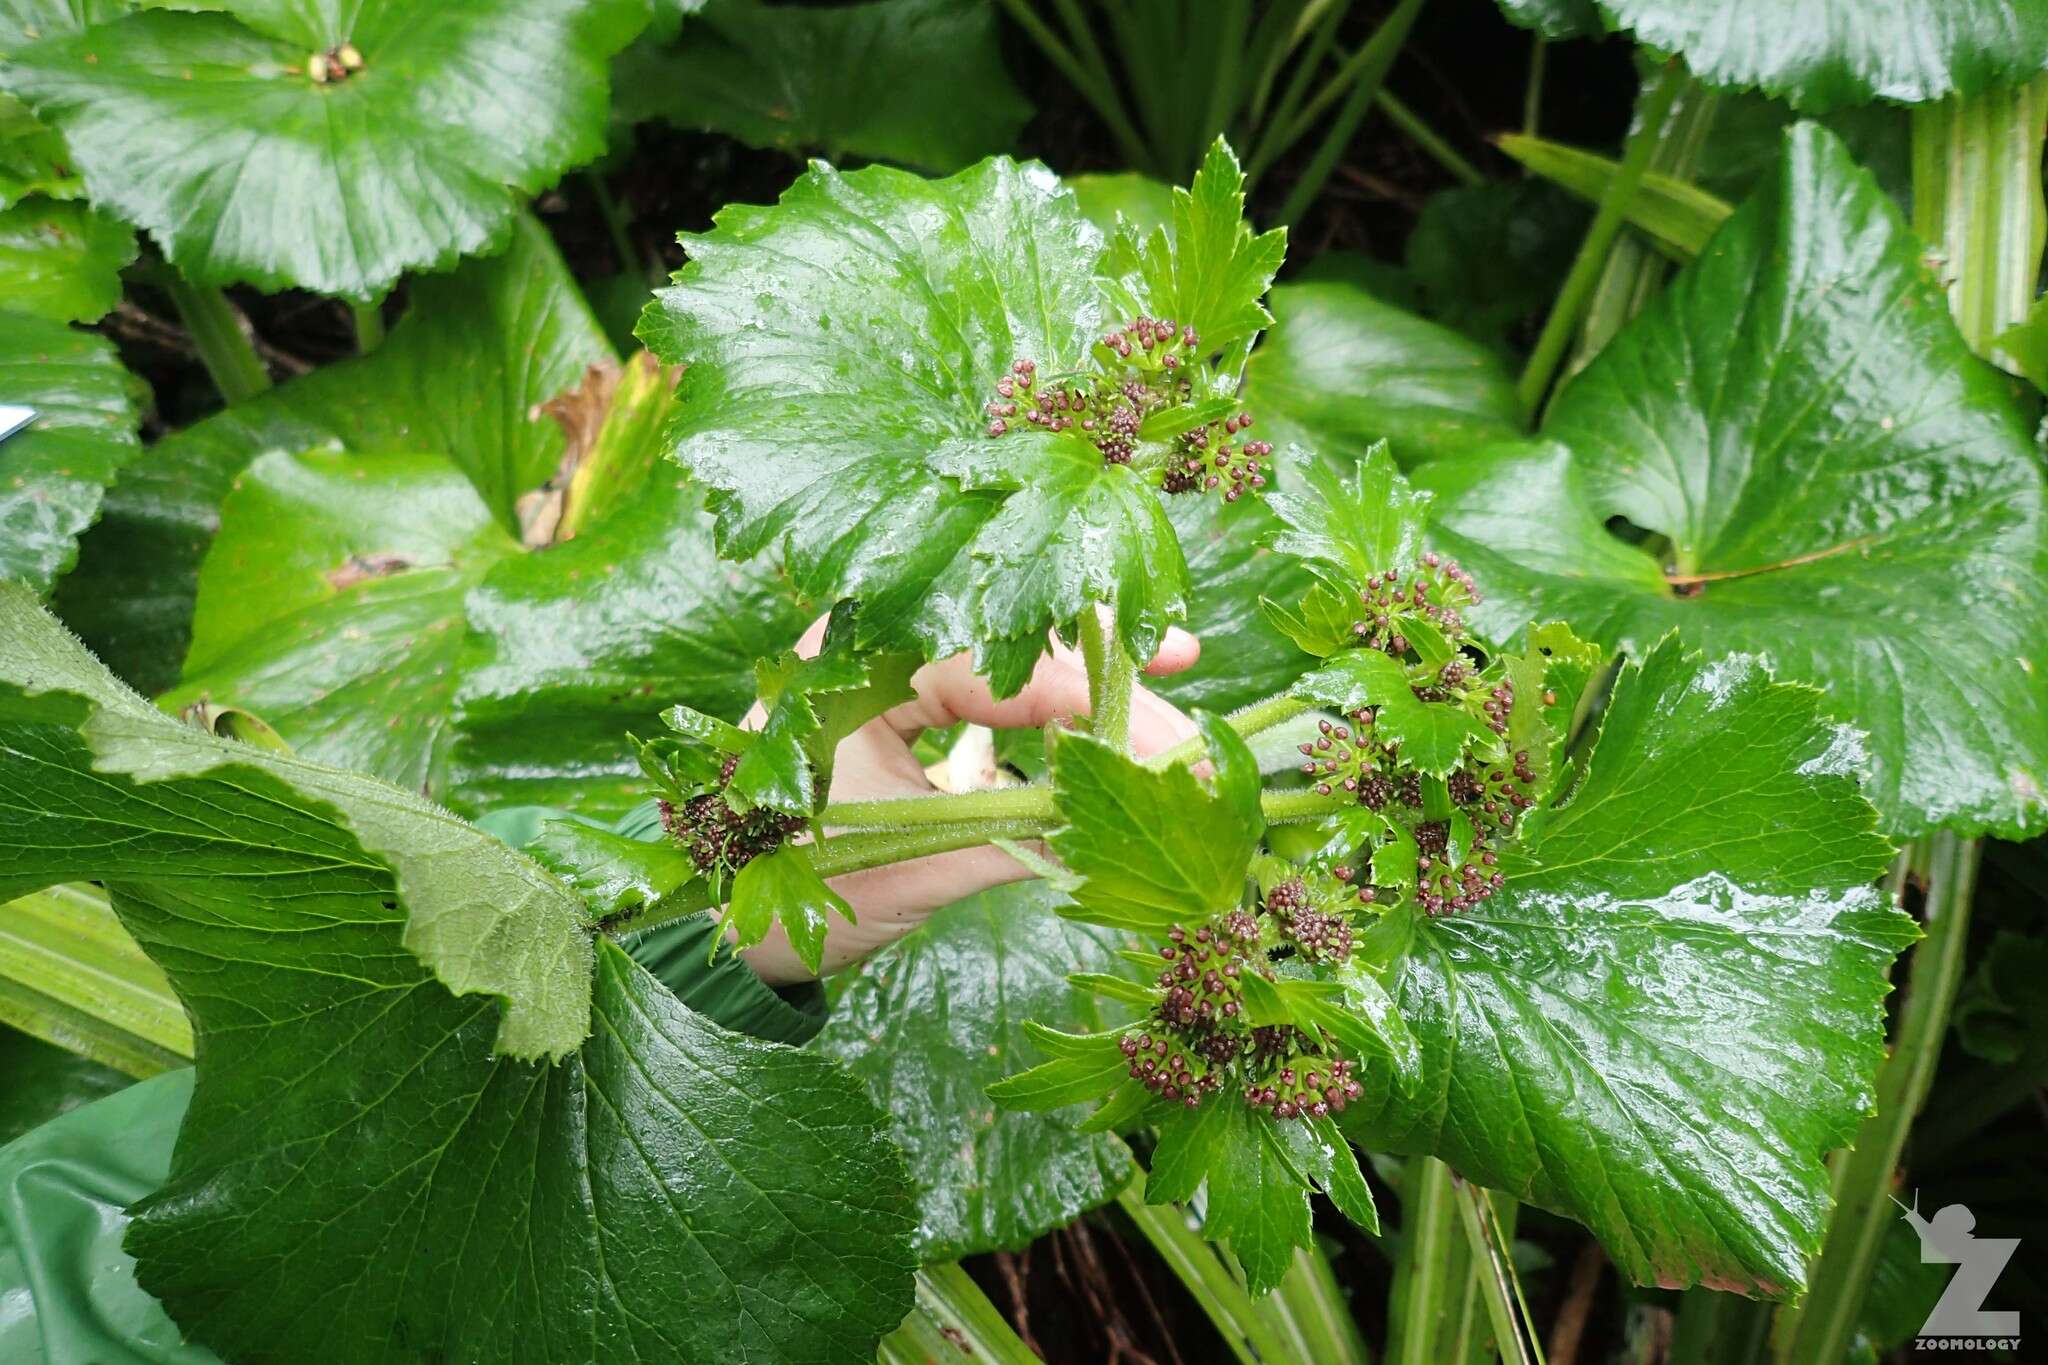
54 473
783 888
62 261
460 375
213 131
32 158
1821 54
1486 259
1207 269
837 341
918 82
929 1023
487 922
1847 491
811 705
1351 519
331 605
572 648
1342 370
1244 656
461 1200
1143 202
39 1081
1155 847
1674 1009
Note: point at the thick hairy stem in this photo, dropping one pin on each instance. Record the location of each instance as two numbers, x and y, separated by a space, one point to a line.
838 856
216 330
916 812
1254 719
1111 678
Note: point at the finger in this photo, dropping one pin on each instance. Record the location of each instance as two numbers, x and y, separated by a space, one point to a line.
950 691
888 902
1156 723
1177 652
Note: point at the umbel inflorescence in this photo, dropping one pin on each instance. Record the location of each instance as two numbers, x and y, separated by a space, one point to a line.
1133 408
719 839
1199 1040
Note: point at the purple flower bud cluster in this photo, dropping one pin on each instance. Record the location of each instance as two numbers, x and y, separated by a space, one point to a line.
1144 367
1322 936
1197 1041
1443 888
1299 1076
719 839
1203 460
1437 591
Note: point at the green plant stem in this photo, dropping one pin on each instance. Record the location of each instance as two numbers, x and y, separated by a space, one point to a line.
1280 29
1101 96
1977 196
951 808
1196 1263
1322 36
1634 270
1250 720
1532 91
837 856
1825 1323
215 327
1572 297
1428 1269
953 1320
1111 678
1716 1328
369 320
1309 1307
1494 1273
1365 67
71 975
1300 803
614 224
1427 138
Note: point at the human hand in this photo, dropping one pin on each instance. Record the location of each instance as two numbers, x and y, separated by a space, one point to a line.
876 762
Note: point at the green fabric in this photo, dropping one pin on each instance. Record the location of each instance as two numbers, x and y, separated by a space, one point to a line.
67 1290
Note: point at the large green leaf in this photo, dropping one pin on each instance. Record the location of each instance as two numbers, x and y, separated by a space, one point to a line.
363 1175
571 648
931 1022
918 82
217 132
62 261
1155 848
331 604
1820 54
1486 259
1244 657
838 340
1674 1009
1343 370
460 375
850 345
1845 491
54 474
